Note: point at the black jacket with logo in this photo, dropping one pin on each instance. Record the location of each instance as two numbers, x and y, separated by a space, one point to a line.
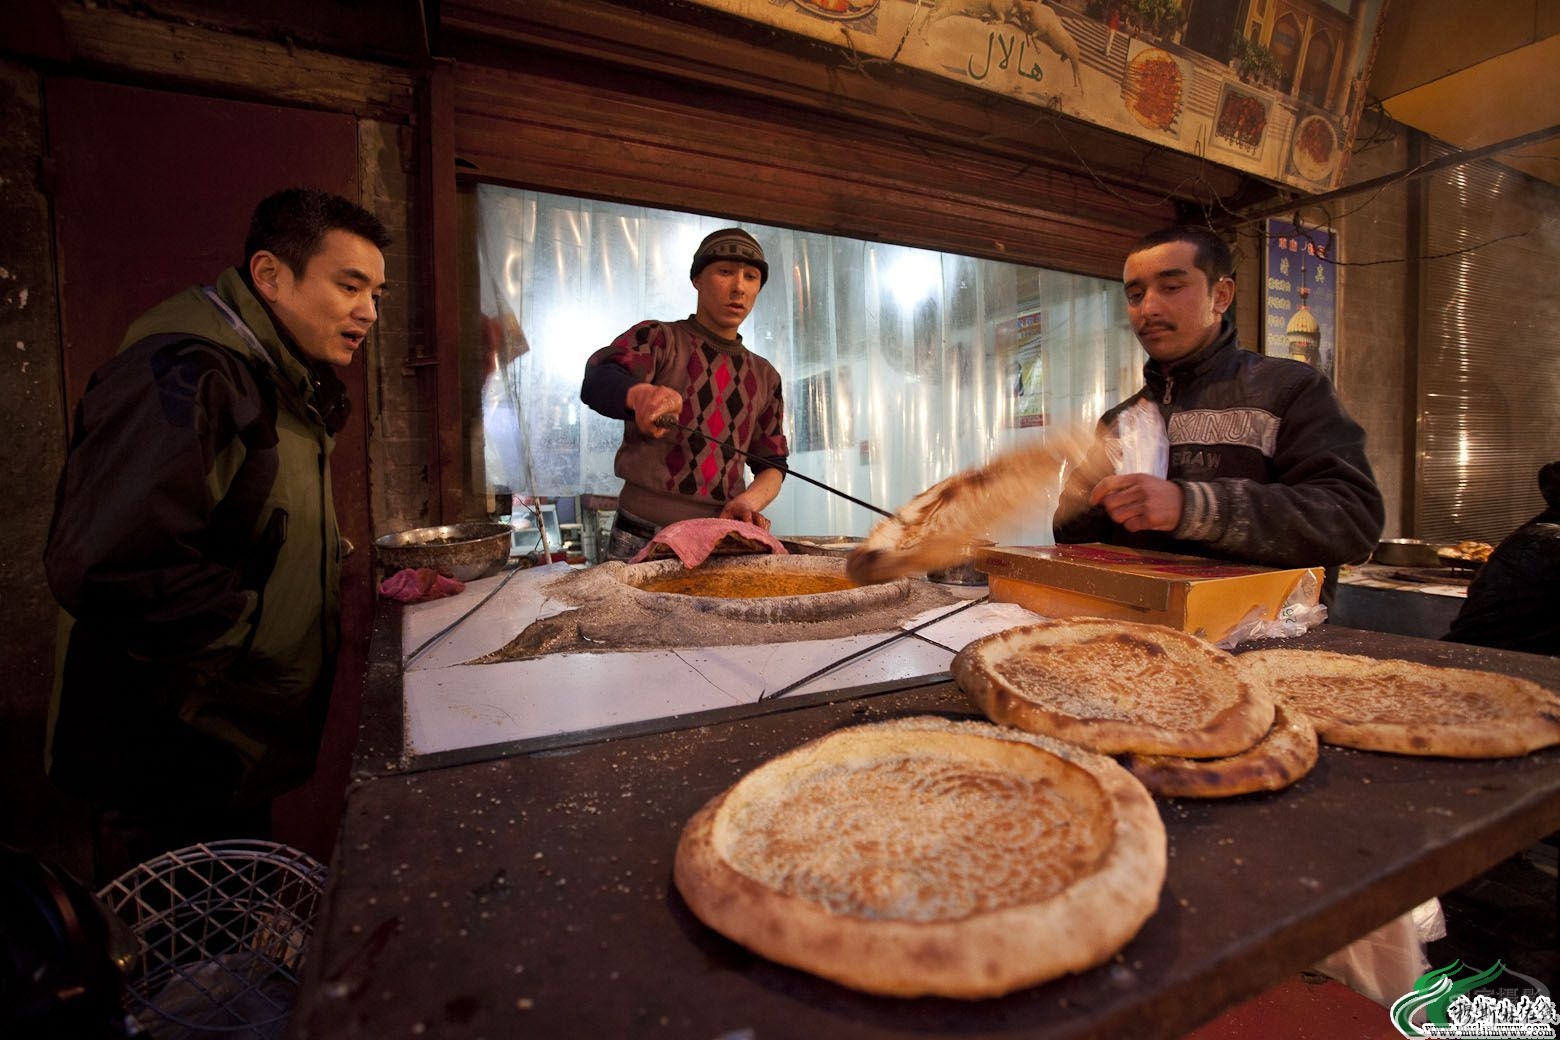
1271 468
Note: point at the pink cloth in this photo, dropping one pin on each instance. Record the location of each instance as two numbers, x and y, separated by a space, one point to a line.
416 586
694 541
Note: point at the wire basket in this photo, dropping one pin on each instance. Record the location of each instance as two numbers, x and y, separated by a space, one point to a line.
223 928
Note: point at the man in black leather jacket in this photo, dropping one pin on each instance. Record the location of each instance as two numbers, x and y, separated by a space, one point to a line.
1265 466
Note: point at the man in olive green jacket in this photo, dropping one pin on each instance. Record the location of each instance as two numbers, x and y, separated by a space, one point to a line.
194 544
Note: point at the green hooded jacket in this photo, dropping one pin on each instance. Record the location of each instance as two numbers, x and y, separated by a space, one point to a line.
194 548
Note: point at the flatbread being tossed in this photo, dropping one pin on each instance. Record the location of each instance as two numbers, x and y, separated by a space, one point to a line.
928 857
1409 708
938 528
1115 687
1287 753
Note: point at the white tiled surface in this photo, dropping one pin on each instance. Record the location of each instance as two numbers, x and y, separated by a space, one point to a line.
450 705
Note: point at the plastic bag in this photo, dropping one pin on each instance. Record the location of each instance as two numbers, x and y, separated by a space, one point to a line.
1141 444
1385 964
1300 611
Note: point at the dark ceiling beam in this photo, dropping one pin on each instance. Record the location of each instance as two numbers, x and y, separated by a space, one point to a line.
735 56
221 62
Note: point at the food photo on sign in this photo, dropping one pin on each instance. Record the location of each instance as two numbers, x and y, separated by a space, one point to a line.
1152 89
1242 121
1315 151
1300 299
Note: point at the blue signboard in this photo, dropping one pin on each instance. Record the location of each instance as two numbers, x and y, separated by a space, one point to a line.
1300 294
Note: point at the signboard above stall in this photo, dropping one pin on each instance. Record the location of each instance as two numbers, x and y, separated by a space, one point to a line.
1269 87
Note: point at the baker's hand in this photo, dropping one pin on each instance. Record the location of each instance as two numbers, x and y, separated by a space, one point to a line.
737 509
649 402
1139 502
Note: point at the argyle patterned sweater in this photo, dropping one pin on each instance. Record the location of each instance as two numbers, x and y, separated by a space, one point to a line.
730 396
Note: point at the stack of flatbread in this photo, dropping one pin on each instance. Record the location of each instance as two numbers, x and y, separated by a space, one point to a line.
1185 720
1190 720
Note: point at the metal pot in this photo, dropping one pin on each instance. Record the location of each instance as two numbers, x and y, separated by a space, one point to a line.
1405 552
819 544
464 552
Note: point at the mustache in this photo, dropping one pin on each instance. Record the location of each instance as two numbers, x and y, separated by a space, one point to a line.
1155 326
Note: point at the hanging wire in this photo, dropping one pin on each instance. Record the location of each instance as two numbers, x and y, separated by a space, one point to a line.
1217 214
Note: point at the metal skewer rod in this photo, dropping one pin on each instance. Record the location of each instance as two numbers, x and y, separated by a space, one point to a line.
804 680
453 625
667 422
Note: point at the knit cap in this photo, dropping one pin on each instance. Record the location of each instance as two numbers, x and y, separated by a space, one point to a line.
730 244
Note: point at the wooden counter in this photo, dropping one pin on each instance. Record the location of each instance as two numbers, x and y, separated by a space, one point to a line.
531 896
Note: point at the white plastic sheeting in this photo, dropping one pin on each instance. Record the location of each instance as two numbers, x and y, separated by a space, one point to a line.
901 366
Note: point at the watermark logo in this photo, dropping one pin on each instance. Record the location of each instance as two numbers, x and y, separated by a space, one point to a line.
1494 1003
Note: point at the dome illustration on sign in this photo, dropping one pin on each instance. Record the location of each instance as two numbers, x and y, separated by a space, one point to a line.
1303 335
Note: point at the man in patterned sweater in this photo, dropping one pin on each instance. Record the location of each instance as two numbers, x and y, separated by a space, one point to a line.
698 372
1265 466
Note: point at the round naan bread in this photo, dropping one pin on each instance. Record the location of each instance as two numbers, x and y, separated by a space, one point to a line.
1288 752
1115 687
1409 708
928 857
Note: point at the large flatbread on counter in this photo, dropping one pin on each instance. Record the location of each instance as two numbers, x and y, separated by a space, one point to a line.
1288 752
1115 687
1409 708
928 857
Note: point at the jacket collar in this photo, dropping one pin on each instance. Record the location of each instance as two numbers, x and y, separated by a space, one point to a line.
317 385
1157 375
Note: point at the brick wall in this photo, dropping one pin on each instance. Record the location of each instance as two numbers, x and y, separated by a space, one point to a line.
398 417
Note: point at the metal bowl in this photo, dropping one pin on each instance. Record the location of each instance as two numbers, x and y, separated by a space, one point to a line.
965 573
464 552
819 544
1405 552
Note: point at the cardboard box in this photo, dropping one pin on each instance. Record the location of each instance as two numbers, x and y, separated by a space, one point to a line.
1207 598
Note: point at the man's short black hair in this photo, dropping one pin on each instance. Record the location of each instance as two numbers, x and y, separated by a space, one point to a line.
292 225
1213 253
